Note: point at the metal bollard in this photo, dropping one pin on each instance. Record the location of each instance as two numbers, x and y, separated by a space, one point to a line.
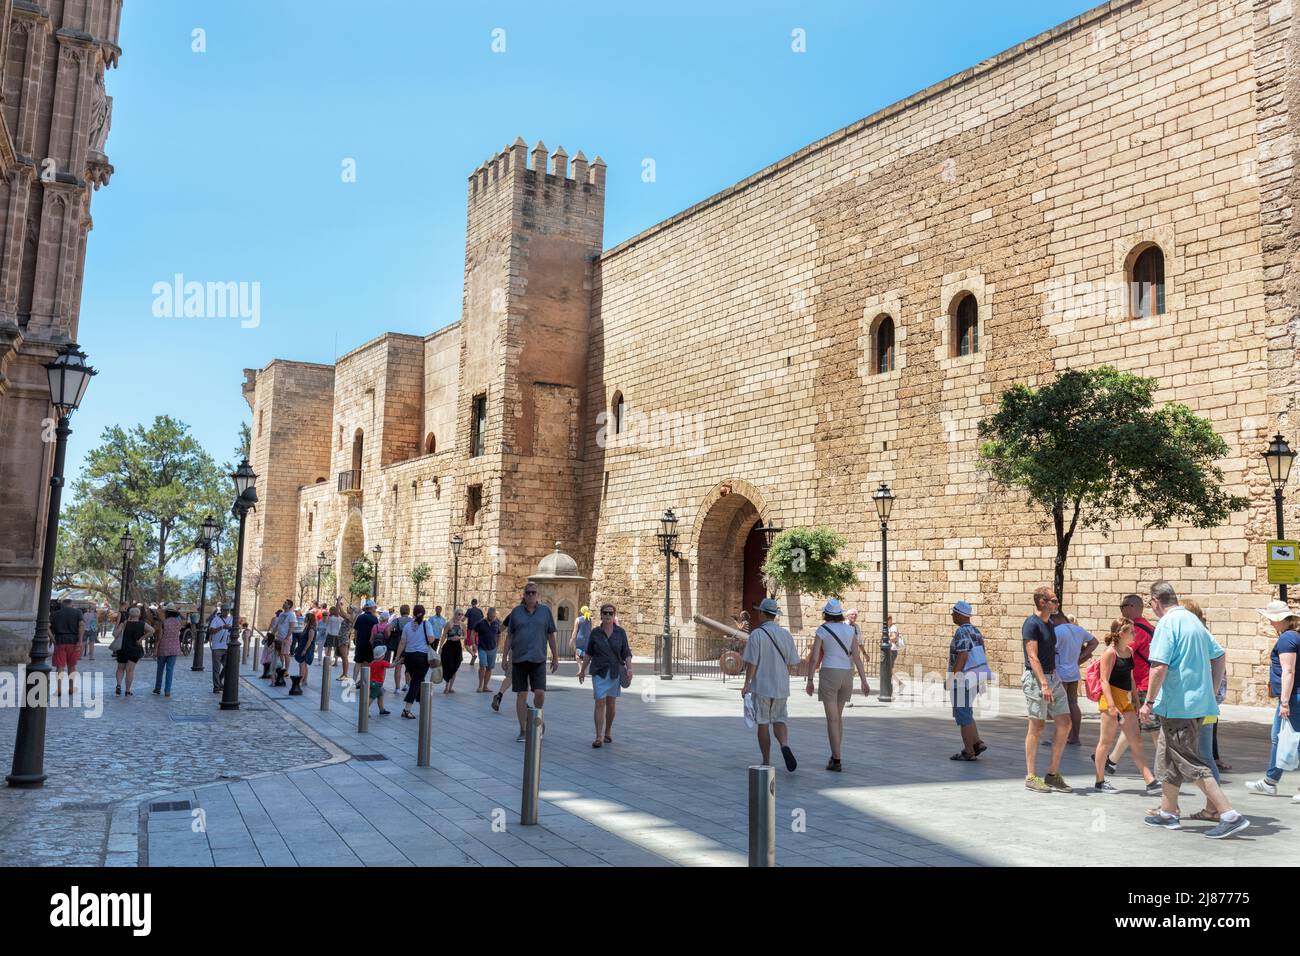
363 705
325 681
762 816
426 724
532 767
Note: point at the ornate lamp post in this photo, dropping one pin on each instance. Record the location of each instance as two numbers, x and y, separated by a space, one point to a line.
322 562
377 551
769 535
668 544
884 499
68 377
456 542
128 559
1280 458
245 500
209 529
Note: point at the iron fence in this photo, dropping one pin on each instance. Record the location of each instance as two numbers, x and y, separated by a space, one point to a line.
700 654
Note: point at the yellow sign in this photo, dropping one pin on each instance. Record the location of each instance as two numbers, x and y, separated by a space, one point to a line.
1284 562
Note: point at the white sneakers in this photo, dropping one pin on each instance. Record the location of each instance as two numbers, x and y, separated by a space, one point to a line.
1263 785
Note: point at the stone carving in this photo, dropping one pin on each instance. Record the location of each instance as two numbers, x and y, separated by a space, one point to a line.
101 116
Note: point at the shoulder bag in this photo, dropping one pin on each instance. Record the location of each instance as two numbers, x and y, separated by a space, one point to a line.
435 662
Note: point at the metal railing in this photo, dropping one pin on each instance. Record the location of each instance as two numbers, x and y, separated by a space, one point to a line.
350 480
700 654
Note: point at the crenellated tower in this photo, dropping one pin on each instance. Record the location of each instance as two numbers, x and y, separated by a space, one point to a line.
533 232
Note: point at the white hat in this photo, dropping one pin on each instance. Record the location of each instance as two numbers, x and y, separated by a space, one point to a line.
1278 611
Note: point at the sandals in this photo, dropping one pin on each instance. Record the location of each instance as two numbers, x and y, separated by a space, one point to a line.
980 747
1206 815
834 764
609 739
595 744
963 755
1223 767
408 715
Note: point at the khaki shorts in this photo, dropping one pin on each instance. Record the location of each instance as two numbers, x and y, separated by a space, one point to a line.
772 710
1038 707
1178 752
835 684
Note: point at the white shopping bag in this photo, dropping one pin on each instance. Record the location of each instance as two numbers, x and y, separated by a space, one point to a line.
1288 746
751 713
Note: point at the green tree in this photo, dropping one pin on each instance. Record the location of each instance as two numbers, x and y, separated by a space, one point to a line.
160 483
419 574
806 560
363 577
1090 450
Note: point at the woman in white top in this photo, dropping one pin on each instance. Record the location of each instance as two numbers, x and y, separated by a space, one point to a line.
413 652
836 646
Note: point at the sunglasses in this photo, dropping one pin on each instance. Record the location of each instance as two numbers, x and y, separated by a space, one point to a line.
606 613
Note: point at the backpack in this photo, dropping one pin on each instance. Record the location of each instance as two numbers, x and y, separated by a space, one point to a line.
1092 679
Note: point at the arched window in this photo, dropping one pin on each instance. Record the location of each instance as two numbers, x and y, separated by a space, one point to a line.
430 444
883 343
1147 283
965 325
619 408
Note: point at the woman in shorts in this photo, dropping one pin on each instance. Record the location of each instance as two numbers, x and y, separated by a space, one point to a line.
836 646
1117 711
608 653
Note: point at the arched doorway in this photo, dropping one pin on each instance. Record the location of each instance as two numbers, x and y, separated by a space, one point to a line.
730 554
352 545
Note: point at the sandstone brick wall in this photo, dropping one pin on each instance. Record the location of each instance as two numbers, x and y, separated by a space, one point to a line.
291 404
1026 181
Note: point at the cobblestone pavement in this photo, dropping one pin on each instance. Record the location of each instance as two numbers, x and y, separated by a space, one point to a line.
671 790
101 768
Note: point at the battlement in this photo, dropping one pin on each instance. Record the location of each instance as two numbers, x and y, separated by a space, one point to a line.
513 162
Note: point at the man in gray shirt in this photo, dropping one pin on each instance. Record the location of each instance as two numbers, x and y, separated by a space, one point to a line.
528 629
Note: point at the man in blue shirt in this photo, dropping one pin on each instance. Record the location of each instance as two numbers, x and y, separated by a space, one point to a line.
529 629
1186 665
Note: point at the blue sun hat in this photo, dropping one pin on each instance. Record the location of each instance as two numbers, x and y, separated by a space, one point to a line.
963 608
768 606
833 607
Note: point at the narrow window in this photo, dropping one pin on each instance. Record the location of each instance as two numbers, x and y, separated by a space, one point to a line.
1147 284
261 416
430 444
965 326
473 503
309 520
478 438
884 344
618 413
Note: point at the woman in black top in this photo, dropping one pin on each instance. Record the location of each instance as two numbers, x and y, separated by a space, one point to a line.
133 632
1116 698
452 650
607 655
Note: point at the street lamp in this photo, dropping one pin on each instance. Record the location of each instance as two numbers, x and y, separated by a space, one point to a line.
208 529
1280 458
128 560
668 544
322 562
769 535
245 500
377 550
884 499
456 542
68 377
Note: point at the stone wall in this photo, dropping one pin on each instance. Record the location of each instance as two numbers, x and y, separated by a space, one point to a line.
55 116
1026 181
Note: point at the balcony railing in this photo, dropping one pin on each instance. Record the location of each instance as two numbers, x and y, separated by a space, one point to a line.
350 482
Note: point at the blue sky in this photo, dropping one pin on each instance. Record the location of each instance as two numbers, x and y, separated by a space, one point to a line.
229 162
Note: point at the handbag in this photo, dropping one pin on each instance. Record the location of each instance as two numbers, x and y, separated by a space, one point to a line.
624 671
1288 746
117 639
434 675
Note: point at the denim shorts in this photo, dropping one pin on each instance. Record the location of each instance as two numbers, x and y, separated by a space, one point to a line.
487 659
